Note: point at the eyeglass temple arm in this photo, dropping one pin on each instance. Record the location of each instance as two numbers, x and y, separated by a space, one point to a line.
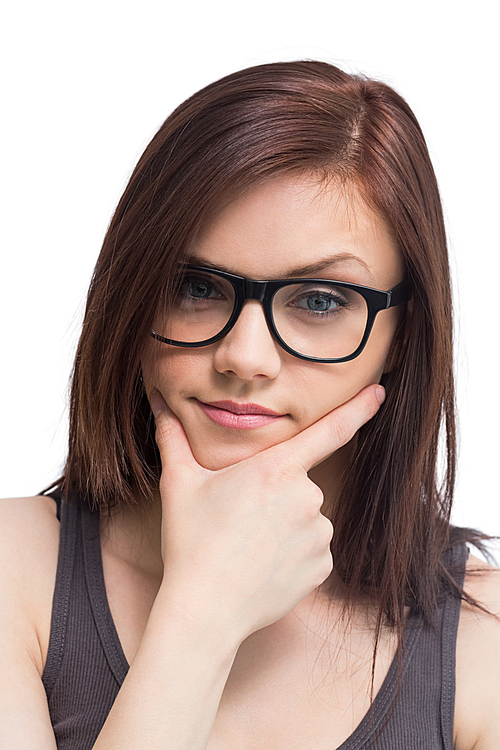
400 294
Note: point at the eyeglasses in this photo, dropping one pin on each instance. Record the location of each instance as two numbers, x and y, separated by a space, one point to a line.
313 319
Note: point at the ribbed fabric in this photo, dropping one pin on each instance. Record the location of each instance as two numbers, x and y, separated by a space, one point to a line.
86 665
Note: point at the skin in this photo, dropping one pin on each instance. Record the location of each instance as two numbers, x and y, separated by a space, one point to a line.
284 224
274 228
269 231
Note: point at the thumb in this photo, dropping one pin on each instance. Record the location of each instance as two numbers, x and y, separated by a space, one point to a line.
324 437
175 451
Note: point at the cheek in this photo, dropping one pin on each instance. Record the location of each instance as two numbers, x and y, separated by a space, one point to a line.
378 348
322 388
170 368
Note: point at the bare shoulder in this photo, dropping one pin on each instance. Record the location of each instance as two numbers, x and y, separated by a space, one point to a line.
477 722
29 545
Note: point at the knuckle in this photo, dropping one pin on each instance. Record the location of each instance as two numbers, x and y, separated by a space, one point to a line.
328 528
310 501
341 431
164 434
326 567
328 564
372 404
278 468
316 497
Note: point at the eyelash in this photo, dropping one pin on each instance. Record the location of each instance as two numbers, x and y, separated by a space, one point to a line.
342 303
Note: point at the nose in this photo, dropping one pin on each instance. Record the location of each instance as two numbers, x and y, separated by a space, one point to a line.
249 351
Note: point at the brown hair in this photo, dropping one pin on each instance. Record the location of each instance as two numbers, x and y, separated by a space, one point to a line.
392 521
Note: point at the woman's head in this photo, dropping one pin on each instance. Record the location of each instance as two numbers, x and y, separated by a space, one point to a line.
288 227
316 130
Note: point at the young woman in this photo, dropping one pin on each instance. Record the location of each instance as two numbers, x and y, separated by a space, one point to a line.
267 562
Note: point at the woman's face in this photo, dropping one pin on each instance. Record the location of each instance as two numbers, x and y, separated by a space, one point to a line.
274 229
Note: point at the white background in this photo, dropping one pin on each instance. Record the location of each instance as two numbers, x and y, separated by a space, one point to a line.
86 86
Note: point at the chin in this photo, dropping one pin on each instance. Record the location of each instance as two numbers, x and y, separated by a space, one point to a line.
215 455
216 460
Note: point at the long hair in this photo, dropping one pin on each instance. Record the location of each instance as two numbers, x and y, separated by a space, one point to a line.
392 520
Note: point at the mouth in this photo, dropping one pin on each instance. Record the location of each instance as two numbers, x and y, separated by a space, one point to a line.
239 416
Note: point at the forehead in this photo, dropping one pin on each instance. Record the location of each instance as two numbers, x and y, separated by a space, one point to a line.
291 222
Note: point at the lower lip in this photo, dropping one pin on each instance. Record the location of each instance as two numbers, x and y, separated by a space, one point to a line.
238 421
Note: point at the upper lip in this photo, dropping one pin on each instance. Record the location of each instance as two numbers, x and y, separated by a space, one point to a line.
235 408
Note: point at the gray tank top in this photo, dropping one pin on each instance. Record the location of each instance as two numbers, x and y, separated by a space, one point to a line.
86 665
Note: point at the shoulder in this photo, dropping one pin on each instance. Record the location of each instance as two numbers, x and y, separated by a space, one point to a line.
477 723
29 546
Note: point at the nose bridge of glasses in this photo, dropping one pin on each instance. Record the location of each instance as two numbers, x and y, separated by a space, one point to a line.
254 289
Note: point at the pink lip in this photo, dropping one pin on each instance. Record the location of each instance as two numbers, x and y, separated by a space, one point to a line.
240 416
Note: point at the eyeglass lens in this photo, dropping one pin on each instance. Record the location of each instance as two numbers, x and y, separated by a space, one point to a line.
314 319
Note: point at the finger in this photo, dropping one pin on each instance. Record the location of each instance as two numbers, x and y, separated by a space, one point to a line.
175 451
329 433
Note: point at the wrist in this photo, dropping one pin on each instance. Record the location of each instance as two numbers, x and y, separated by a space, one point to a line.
197 618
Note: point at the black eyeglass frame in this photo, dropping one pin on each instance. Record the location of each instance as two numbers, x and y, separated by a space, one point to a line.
264 291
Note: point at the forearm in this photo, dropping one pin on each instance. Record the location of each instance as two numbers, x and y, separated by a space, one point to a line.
173 689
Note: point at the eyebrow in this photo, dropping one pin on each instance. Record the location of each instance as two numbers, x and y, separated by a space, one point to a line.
308 270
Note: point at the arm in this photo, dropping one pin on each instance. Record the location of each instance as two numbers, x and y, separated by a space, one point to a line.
173 689
171 693
24 715
25 567
241 548
477 714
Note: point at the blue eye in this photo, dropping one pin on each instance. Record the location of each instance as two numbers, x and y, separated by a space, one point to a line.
321 302
199 288
318 302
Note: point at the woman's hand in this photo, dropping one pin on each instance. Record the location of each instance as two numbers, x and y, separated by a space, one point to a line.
248 542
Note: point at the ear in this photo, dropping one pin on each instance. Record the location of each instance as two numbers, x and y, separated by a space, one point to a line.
400 338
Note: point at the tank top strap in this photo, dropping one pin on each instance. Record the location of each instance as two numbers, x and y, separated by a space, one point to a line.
85 665
58 502
94 575
457 557
414 708
68 516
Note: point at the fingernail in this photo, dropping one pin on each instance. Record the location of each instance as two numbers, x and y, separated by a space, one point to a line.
157 402
380 392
